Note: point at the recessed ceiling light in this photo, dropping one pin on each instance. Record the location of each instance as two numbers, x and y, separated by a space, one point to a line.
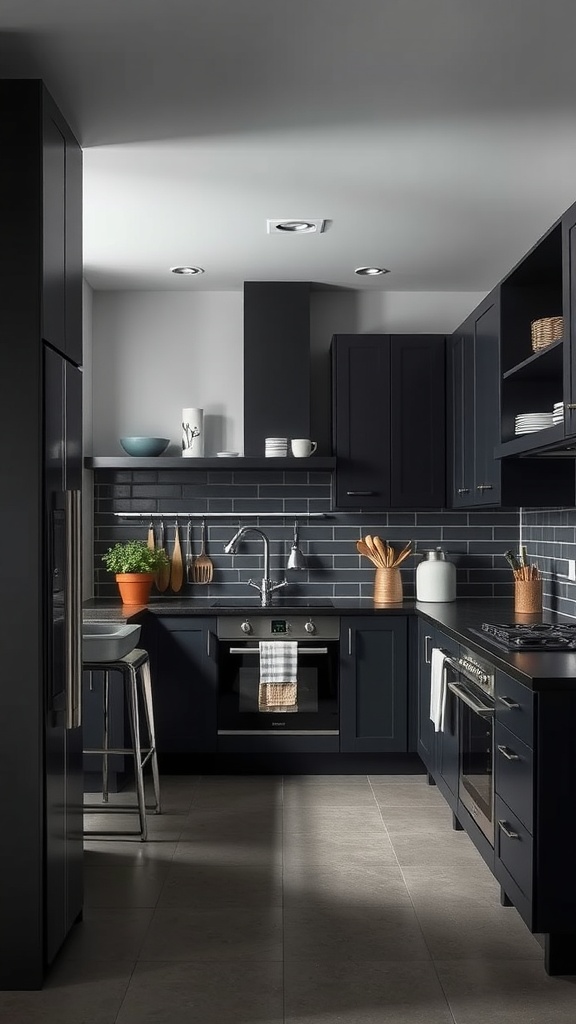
294 227
187 270
371 271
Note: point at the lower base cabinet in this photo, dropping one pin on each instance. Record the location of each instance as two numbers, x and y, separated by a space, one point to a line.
184 682
374 684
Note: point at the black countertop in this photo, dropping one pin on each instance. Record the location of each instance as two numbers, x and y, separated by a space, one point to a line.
539 671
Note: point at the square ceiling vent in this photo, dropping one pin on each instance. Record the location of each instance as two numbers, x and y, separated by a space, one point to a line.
287 226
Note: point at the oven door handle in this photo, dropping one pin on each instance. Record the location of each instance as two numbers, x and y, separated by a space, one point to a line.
256 650
460 691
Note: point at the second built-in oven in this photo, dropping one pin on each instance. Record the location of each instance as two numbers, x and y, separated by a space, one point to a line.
470 696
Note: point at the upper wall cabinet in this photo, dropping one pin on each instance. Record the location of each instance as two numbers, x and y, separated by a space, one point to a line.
388 420
62 234
41 179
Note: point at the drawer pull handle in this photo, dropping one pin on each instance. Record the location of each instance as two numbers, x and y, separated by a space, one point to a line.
508 831
427 650
508 754
484 487
363 494
463 490
509 703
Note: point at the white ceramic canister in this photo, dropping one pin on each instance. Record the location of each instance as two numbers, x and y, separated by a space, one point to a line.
436 577
192 433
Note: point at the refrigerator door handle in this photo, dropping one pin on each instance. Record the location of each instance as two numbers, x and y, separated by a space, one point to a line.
73 609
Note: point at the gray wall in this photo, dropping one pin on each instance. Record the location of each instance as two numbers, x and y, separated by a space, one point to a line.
156 352
550 539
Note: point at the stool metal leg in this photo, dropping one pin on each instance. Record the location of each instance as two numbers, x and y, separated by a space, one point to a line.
135 730
106 738
146 683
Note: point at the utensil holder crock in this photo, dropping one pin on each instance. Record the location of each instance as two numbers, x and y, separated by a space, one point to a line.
527 596
388 586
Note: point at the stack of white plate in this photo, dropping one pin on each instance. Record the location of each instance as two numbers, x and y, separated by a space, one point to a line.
276 447
529 422
558 412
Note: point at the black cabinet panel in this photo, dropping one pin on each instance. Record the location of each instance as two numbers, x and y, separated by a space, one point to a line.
426 743
374 685
487 406
184 686
515 707
513 849
389 421
513 774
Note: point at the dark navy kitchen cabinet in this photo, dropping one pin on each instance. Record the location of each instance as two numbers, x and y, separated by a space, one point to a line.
388 421
426 737
374 684
61 234
184 682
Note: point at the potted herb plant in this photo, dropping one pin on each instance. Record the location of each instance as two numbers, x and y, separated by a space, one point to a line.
135 565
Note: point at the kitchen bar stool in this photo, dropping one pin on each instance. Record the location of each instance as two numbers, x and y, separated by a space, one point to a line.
134 669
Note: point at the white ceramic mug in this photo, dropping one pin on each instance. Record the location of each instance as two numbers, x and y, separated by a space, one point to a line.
302 447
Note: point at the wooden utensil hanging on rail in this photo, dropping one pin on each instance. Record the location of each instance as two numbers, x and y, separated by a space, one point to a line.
177 568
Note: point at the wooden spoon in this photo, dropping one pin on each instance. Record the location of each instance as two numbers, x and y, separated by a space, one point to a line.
363 549
369 542
382 551
163 574
151 542
177 569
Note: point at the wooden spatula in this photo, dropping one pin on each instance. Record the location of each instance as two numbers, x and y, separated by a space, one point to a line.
177 568
151 542
163 574
203 567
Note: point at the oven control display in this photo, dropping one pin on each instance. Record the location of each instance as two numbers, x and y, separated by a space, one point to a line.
278 626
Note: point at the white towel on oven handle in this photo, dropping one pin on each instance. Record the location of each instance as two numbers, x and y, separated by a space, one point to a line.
438 688
278 661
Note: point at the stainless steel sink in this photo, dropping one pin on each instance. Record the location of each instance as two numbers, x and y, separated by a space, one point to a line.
278 602
108 641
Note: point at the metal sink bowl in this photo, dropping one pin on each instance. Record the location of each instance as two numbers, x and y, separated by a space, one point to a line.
108 641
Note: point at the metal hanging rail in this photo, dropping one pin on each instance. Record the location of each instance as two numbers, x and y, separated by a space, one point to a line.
223 515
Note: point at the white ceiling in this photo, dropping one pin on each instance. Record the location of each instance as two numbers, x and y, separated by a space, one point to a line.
438 137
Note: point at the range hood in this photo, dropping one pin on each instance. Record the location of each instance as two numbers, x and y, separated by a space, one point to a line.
277 363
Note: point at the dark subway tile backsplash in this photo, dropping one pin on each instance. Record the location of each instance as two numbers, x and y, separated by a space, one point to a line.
549 536
475 542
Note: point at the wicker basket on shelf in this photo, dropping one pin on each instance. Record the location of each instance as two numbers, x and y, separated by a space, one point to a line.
545 331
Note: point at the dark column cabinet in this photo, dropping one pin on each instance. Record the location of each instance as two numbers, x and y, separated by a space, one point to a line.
389 420
374 684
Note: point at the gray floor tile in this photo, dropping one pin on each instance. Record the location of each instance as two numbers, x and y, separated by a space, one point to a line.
395 780
353 932
107 934
122 887
315 819
428 849
409 795
206 993
229 821
222 933
222 884
74 993
295 781
336 850
418 818
370 887
328 796
457 883
241 851
127 852
506 992
455 931
364 993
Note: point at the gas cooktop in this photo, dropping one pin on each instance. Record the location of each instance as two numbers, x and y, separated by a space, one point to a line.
533 636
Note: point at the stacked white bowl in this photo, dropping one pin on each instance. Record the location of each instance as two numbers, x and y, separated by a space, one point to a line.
558 412
276 447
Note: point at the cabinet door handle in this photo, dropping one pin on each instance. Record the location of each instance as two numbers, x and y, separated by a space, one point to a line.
427 651
507 753
208 643
508 831
463 490
509 703
350 640
363 494
571 405
484 487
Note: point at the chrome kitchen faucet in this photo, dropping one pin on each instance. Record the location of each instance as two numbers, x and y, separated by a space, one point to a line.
267 587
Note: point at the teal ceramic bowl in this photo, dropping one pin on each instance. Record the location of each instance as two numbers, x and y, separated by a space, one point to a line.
144 447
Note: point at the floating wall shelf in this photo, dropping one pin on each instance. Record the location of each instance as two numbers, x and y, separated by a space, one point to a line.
311 464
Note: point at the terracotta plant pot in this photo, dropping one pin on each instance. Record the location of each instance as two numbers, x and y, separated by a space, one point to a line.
135 587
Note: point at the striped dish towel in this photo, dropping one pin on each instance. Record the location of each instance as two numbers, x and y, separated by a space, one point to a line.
278 689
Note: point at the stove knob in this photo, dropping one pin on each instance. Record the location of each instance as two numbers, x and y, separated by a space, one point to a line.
245 626
309 626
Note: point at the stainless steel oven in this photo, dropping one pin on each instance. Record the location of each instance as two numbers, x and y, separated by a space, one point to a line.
316 705
470 684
